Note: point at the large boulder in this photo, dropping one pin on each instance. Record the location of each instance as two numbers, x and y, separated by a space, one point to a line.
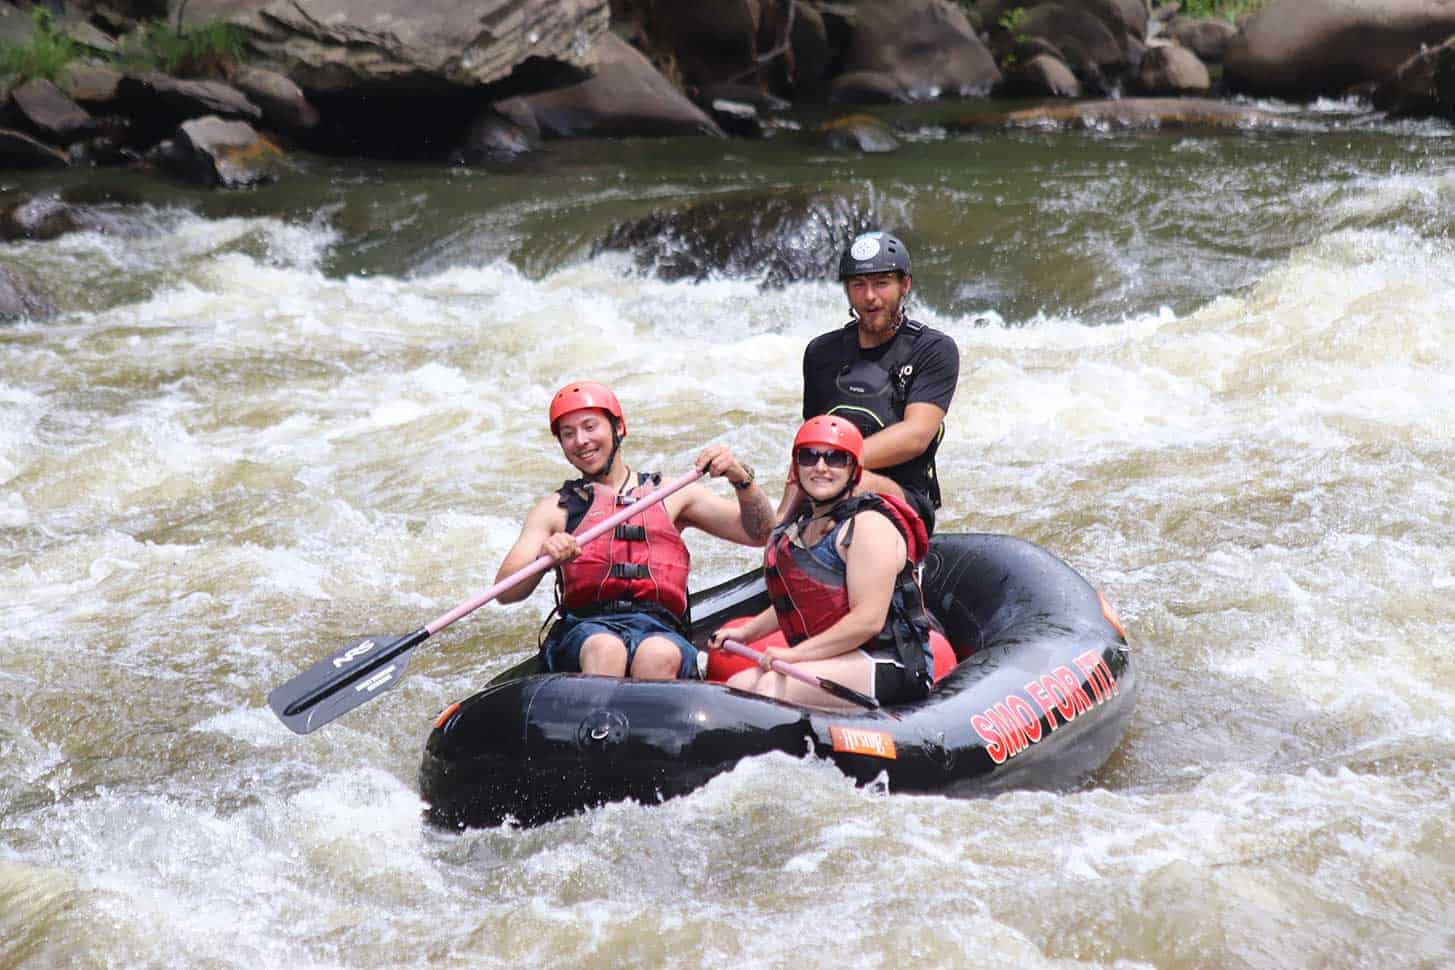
1042 75
1307 48
927 46
1172 69
1423 87
706 43
775 237
49 113
216 152
19 300
339 46
283 104
626 96
1100 39
1207 37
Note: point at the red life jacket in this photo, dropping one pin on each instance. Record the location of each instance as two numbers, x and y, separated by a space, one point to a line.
642 560
810 596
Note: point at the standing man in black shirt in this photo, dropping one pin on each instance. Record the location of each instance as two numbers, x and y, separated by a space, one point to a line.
890 376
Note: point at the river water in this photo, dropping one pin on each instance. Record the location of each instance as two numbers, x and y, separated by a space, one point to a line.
1213 371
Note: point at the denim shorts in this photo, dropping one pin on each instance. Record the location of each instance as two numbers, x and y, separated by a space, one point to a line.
564 655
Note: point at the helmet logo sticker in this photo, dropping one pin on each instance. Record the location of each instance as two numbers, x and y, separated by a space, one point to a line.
865 247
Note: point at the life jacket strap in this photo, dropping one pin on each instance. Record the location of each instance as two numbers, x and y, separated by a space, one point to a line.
631 533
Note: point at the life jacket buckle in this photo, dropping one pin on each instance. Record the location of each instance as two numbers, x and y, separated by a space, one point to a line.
631 533
630 570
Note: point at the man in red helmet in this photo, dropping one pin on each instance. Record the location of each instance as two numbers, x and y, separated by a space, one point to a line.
623 596
892 377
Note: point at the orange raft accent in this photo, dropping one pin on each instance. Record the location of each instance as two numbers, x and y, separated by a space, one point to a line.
445 715
876 744
1111 616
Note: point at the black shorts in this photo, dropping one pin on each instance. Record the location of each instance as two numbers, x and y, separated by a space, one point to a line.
892 685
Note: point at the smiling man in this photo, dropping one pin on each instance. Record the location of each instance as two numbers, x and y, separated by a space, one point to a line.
623 596
892 377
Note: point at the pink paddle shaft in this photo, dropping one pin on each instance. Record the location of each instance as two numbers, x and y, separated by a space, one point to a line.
546 562
782 666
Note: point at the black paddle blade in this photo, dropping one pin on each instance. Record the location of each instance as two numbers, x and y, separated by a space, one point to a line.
355 674
848 693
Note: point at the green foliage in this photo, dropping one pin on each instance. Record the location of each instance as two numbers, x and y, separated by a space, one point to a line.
1225 9
1012 20
200 50
44 56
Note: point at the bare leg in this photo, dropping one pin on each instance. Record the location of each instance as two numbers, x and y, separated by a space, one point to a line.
657 658
853 669
603 654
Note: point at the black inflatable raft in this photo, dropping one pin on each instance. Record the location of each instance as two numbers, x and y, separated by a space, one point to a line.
1040 697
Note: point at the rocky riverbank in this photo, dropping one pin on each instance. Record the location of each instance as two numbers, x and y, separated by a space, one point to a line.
486 84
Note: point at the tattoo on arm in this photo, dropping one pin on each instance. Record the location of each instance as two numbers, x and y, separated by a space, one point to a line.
757 514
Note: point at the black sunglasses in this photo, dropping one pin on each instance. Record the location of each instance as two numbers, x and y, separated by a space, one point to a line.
808 457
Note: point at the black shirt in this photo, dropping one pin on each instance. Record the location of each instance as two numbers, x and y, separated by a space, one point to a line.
933 372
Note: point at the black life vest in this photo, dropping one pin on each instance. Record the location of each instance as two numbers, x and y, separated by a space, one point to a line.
873 395
810 596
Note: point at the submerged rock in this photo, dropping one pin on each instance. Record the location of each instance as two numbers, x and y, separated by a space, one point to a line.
1129 113
19 300
776 237
858 132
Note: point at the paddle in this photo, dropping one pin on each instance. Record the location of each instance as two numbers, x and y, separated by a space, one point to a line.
789 670
370 665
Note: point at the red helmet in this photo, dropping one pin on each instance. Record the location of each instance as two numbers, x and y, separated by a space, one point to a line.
582 395
829 431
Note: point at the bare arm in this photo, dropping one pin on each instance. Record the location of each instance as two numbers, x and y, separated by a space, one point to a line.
544 531
747 521
874 559
905 439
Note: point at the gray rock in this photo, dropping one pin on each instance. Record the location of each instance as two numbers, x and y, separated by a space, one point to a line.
1129 113
212 151
90 85
493 139
282 102
51 114
1208 38
927 46
625 97
1423 87
16 26
87 35
19 300
329 46
155 95
19 150
1306 48
867 87
1172 69
776 237
39 217
858 132
1043 75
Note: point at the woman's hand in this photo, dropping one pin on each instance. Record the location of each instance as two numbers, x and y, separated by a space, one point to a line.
771 654
714 642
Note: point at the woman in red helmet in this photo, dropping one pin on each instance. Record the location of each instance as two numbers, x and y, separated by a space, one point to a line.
623 596
842 582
